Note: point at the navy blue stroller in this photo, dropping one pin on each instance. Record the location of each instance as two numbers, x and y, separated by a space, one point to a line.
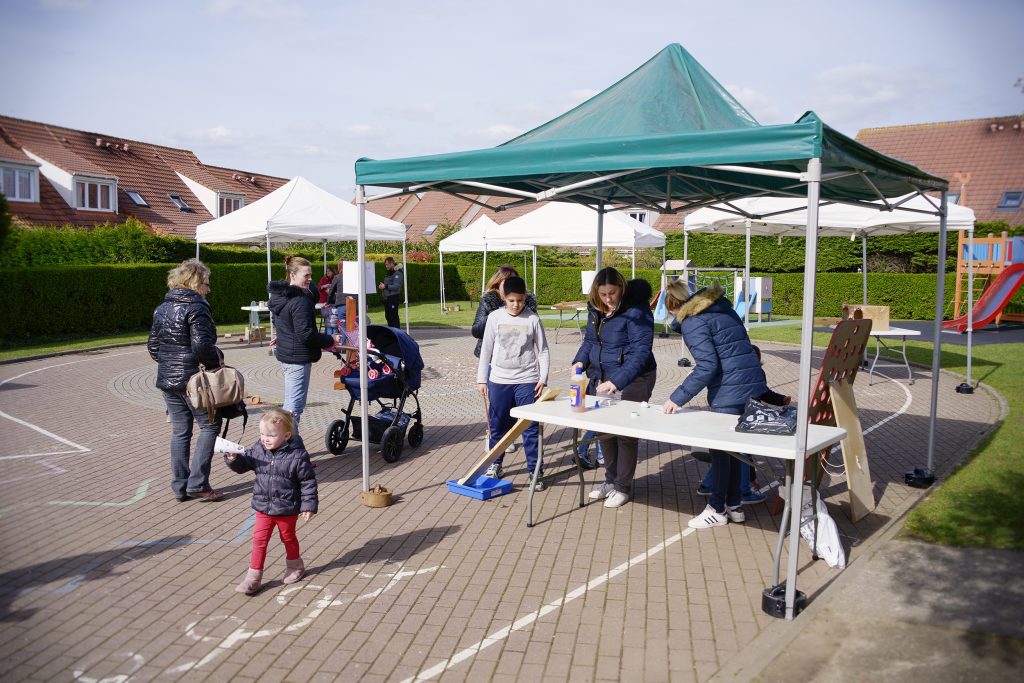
393 376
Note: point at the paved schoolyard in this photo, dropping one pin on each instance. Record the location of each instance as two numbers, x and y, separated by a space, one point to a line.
106 577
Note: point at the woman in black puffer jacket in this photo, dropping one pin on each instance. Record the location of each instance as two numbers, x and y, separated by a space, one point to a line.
617 354
182 337
299 343
492 300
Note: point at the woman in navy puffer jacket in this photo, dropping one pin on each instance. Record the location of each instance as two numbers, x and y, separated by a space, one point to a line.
182 337
617 355
728 366
299 342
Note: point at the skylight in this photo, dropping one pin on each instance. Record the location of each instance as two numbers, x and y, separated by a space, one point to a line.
136 197
180 203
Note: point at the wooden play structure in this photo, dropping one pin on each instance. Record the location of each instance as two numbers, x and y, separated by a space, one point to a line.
997 263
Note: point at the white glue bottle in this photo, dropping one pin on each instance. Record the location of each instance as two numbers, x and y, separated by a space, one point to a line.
578 391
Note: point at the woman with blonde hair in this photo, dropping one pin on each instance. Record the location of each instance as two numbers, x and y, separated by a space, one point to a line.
183 336
728 367
492 299
617 353
299 341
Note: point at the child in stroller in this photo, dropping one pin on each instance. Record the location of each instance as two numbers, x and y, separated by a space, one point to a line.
394 370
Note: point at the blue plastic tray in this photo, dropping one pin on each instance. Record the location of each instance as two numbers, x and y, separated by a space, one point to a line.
482 489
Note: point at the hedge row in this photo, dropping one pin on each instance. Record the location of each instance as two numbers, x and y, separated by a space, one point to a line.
95 300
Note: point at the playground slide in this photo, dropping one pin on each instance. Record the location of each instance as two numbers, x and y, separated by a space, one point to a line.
992 300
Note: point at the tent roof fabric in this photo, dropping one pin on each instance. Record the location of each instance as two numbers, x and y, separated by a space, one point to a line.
784 217
663 142
474 237
559 224
298 211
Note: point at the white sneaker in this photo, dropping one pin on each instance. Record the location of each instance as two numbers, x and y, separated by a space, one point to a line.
708 518
616 499
602 491
735 514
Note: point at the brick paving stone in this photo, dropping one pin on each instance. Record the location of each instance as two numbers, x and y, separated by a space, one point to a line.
112 576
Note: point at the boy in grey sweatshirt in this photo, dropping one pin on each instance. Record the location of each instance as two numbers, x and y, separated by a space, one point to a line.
513 369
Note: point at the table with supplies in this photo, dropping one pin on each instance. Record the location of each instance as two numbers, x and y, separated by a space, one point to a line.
688 427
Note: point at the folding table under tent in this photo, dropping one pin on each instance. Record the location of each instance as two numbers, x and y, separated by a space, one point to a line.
786 217
669 137
475 237
300 211
560 224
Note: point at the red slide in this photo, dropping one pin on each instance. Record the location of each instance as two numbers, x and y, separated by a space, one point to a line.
993 299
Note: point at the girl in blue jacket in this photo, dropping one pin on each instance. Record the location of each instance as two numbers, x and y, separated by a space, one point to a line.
617 354
728 366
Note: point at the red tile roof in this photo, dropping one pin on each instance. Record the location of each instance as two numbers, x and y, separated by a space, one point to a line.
151 170
981 158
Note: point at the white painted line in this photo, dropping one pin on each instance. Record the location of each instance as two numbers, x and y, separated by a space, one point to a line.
526 620
78 448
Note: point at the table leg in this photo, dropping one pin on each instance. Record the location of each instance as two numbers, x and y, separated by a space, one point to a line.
578 327
910 373
783 525
559 325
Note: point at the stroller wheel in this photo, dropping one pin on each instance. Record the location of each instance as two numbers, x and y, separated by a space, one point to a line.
336 438
416 434
391 444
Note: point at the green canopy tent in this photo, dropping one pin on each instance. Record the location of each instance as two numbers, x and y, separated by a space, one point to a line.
670 138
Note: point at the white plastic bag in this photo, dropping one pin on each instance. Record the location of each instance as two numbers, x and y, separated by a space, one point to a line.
830 548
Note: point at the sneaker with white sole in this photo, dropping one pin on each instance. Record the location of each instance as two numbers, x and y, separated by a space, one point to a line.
708 518
494 471
602 491
616 499
754 496
735 514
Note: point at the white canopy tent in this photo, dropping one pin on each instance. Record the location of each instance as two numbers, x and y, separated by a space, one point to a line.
300 211
475 237
562 224
787 217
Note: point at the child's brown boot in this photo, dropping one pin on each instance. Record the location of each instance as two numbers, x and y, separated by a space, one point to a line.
294 570
251 583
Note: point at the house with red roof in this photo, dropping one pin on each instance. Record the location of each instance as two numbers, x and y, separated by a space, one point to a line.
983 159
53 175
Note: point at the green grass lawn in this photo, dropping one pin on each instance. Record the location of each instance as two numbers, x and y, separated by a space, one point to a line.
979 505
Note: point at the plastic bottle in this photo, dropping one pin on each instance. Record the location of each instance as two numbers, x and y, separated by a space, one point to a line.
578 391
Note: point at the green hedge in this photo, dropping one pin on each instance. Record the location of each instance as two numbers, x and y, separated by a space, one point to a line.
93 300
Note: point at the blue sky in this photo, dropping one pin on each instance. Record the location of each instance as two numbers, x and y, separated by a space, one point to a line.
305 88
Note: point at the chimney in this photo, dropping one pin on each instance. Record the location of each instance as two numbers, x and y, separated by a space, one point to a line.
99 142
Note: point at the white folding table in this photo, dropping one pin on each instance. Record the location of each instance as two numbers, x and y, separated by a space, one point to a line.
687 427
892 332
576 309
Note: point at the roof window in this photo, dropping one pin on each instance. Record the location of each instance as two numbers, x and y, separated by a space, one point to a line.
952 197
1011 200
180 203
136 198
429 230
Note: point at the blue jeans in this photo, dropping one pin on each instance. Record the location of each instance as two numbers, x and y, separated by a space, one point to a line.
744 478
296 386
185 478
726 472
501 399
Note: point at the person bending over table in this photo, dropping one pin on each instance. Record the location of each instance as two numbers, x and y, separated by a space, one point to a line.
617 353
728 366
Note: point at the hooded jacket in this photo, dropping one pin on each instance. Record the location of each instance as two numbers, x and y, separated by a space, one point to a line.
183 336
726 363
393 281
285 480
298 339
618 346
490 302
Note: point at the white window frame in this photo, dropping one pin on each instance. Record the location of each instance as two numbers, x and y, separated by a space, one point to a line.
20 170
136 197
86 182
639 214
223 197
429 230
179 202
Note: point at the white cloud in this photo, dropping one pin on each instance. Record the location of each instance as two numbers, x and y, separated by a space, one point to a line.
763 107
857 95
